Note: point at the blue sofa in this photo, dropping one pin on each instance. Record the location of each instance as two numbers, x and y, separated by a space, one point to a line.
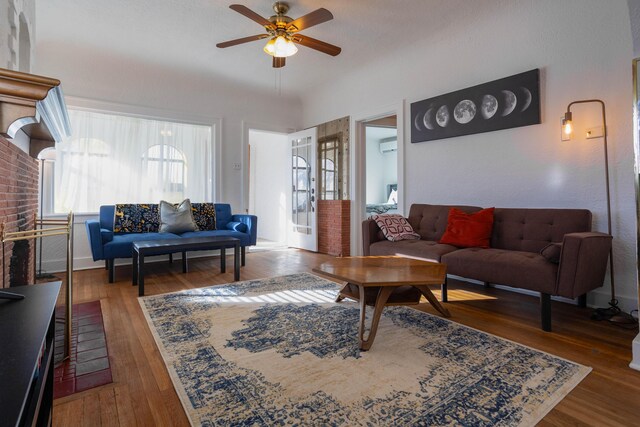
107 245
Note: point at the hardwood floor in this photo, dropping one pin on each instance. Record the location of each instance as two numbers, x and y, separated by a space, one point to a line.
142 393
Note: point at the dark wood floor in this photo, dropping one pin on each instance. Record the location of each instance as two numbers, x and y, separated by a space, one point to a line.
142 393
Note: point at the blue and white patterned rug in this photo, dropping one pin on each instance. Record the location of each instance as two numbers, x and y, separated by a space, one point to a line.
279 351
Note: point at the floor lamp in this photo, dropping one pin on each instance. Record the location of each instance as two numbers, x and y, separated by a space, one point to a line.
612 312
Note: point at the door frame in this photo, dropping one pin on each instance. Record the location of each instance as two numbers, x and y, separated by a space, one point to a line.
358 166
244 155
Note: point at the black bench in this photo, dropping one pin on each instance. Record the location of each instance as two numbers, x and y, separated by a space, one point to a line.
163 247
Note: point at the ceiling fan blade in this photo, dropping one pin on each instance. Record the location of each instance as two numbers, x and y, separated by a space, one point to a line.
309 20
278 62
323 47
242 40
244 10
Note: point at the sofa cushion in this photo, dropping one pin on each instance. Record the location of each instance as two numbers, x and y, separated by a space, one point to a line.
551 252
430 221
518 269
423 249
176 219
468 230
395 227
204 214
121 245
106 235
136 218
533 229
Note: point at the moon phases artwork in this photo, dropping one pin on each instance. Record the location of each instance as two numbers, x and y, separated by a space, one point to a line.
501 104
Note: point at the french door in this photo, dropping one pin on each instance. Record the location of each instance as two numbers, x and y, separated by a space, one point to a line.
302 215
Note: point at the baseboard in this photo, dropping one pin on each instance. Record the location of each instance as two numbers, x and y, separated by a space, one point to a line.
87 263
595 298
635 347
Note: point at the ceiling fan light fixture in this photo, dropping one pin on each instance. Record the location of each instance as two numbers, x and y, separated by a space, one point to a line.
280 47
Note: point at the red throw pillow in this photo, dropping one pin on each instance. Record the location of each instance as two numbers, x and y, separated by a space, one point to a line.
395 227
468 230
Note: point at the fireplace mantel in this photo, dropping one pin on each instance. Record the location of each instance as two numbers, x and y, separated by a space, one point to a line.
35 105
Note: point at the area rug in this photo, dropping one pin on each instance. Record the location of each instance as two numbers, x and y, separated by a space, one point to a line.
280 351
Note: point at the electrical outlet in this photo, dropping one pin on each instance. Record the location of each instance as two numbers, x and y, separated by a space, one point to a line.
236 166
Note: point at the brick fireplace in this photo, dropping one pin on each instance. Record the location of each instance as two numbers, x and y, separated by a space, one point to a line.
33 116
18 204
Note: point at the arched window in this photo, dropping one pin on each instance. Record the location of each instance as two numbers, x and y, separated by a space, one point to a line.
166 168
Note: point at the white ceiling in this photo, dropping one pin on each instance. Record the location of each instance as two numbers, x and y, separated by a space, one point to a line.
183 33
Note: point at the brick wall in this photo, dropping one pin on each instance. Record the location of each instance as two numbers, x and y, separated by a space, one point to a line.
334 227
18 204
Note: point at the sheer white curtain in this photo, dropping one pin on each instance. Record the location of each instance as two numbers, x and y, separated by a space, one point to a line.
114 158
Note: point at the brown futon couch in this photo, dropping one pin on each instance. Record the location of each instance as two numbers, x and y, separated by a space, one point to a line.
514 257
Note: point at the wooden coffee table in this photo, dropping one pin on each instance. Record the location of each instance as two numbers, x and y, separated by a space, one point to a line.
379 281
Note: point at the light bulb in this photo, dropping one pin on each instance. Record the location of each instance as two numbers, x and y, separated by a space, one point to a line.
567 128
270 48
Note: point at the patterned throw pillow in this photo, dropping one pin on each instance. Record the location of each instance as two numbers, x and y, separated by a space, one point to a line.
395 227
204 214
136 218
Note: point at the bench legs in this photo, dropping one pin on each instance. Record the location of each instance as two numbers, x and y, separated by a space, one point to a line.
545 312
243 250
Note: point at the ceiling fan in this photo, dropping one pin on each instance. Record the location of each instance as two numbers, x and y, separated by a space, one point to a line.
282 32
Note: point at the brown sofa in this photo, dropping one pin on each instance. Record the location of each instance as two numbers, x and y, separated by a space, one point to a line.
514 258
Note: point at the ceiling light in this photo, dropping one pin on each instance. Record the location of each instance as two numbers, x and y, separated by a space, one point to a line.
280 47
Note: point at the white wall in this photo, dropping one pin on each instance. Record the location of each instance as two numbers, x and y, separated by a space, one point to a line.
10 26
583 49
269 181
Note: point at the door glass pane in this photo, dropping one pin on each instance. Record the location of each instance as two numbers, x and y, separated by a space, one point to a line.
301 191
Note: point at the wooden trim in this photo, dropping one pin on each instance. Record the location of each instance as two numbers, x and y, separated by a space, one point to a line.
33 104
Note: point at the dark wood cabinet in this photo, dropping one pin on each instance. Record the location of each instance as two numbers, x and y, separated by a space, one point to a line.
27 336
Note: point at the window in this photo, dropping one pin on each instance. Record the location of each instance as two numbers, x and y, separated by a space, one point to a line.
113 158
330 158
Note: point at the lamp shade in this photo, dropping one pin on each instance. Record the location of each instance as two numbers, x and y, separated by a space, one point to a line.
280 47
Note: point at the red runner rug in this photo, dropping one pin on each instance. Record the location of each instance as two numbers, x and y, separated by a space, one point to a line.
88 363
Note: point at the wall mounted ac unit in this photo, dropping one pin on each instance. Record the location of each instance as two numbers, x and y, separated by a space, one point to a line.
388 146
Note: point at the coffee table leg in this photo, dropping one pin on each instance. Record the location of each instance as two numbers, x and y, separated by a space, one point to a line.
140 275
134 265
433 300
381 300
236 263
223 259
185 266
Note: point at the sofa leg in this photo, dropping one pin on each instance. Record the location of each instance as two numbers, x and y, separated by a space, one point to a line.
487 285
545 312
443 291
112 270
243 251
582 301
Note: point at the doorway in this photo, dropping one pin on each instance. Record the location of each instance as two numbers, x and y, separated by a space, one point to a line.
268 186
381 166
